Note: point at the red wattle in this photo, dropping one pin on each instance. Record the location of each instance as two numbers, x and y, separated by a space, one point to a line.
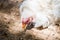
27 20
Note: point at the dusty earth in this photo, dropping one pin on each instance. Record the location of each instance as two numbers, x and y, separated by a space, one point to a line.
10 21
10 25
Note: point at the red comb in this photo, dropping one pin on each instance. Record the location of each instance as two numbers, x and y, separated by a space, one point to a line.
27 20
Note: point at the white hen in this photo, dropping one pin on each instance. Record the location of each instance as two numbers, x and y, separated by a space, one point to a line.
41 12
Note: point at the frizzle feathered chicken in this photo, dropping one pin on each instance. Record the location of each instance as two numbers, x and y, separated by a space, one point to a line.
40 12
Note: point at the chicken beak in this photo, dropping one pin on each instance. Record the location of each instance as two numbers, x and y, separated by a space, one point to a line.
24 26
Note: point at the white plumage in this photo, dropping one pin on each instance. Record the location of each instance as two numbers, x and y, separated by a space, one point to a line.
43 12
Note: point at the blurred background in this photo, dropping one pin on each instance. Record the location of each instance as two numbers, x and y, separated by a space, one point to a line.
10 24
10 20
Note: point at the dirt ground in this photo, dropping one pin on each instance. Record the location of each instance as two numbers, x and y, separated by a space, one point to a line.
10 20
9 16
